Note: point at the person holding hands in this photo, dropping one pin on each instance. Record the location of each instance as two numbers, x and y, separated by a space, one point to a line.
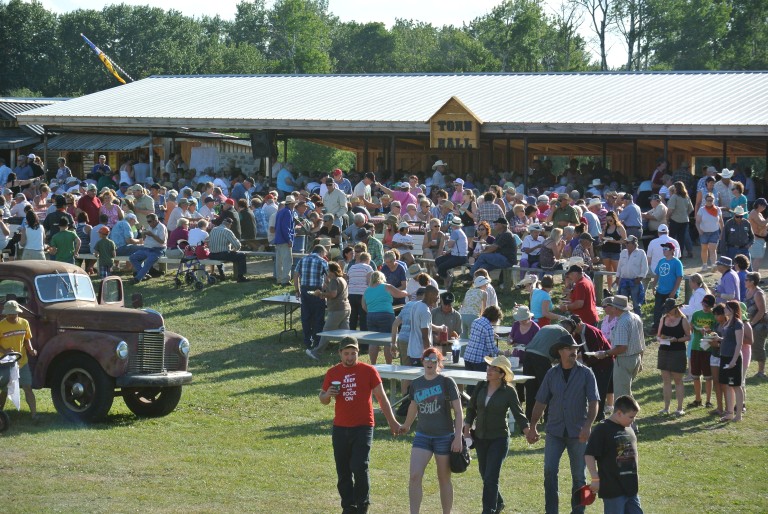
433 397
351 383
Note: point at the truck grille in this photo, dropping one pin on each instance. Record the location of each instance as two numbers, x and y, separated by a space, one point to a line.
148 357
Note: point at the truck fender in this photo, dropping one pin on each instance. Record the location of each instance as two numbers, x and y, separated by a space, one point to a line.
98 345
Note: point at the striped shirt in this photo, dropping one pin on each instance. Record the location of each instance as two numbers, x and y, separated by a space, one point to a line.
482 341
629 332
222 240
311 270
358 277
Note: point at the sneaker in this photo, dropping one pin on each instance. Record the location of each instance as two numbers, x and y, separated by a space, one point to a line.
679 412
693 404
708 405
687 378
759 374
663 412
243 279
311 354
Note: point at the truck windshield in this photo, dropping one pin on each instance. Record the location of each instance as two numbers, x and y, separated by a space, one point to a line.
64 287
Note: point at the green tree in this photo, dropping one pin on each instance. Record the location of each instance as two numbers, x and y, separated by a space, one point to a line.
564 48
513 32
300 36
458 52
308 157
747 42
362 48
251 25
28 47
415 46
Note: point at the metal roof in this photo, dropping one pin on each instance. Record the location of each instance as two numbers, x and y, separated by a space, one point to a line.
16 138
653 103
11 107
95 142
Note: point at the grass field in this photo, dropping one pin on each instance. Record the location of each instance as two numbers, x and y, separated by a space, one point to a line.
250 436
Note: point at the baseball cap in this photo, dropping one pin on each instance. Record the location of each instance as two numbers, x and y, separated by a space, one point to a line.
663 229
230 201
348 342
104 230
668 246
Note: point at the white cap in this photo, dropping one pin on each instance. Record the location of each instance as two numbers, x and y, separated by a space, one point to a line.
663 228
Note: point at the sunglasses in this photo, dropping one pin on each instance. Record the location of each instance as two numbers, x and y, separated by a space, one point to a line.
432 358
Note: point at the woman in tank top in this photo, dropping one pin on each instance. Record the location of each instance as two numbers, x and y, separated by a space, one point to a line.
33 239
674 331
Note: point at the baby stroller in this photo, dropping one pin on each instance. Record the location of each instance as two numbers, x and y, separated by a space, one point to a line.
190 270
6 365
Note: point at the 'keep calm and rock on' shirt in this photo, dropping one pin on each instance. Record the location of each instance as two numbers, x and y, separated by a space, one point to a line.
354 404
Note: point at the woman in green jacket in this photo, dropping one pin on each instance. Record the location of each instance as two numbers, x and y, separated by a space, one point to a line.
488 410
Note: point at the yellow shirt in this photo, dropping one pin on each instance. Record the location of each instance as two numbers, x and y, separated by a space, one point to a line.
12 336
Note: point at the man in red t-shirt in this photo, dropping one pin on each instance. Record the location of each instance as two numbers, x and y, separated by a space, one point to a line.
90 205
582 299
352 383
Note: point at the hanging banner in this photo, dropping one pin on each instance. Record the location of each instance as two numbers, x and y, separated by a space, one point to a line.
454 126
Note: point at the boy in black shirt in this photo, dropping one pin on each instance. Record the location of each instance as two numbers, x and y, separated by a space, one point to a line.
612 449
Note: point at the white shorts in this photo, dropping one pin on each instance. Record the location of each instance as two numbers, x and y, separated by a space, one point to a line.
757 250
714 361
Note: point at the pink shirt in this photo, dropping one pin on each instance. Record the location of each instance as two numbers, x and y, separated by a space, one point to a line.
404 197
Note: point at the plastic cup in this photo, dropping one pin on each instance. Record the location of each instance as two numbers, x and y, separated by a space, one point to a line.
336 385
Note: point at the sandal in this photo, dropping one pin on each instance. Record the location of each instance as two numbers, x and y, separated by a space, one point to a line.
726 419
663 412
708 405
696 403
716 412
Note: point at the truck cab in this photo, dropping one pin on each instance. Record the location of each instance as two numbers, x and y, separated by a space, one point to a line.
91 348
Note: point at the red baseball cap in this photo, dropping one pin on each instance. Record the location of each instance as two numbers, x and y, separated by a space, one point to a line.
583 496
229 201
337 172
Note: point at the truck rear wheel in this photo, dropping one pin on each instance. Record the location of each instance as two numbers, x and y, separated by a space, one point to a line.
152 402
81 391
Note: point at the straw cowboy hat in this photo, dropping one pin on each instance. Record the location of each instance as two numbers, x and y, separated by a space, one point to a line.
575 261
503 364
531 278
439 163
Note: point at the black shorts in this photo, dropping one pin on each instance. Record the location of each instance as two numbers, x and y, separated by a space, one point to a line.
672 360
731 376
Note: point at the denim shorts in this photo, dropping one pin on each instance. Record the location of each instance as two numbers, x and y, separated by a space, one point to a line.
437 444
710 237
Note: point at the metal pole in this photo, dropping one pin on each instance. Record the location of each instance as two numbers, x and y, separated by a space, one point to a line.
525 162
366 167
392 151
725 153
634 159
285 149
509 155
152 159
45 146
605 155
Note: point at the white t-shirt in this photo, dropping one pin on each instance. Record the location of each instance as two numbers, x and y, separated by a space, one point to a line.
403 239
197 236
412 286
530 242
421 317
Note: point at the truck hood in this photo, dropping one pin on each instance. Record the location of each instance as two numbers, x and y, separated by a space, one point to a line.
102 318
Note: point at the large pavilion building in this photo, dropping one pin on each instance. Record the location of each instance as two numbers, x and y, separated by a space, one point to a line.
472 121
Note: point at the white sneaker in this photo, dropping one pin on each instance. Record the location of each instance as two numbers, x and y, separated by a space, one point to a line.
311 354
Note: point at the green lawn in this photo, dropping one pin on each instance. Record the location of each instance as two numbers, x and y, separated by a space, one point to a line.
250 436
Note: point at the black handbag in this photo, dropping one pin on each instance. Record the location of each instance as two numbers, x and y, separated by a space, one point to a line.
460 460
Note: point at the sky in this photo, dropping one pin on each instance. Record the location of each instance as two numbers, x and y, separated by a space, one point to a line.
436 12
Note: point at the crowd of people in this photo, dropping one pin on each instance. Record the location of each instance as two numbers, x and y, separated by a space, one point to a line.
577 352
375 250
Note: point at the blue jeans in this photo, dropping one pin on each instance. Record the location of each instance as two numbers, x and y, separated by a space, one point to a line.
490 457
622 505
380 321
490 261
312 316
445 263
143 259
352 453
126 250
553 449
636 292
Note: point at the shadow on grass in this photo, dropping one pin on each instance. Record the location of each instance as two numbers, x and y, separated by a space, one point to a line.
303 388
21 423
324 427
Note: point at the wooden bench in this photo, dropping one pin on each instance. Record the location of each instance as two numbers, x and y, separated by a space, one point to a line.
162 260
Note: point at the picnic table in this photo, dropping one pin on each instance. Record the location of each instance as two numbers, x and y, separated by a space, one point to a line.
290 304
362 336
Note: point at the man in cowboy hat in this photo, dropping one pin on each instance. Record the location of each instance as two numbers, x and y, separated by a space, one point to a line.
16 336
596 188
537 361
723 193
737 235
729 285
352 383
628 342
564 213
456 254
438 179
569 393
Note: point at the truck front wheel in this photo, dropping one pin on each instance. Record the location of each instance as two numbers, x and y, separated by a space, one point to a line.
152 402
81 391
